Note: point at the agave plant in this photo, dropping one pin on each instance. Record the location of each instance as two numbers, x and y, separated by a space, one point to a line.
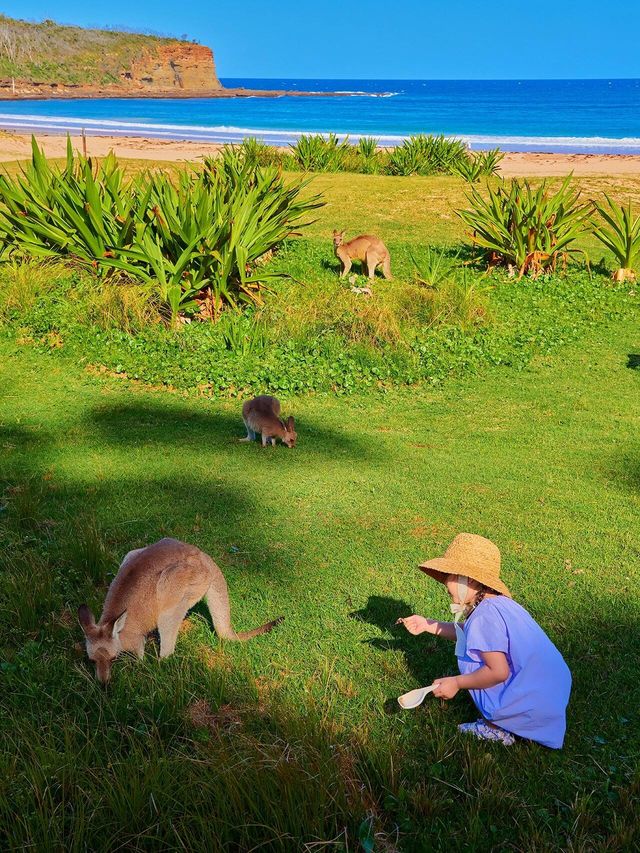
524 228
470 169
620 233
489 161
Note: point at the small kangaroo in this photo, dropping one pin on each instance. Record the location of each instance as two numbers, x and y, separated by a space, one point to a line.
262 415
154 588
370 251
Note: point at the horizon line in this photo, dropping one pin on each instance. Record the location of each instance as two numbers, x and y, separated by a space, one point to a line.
438 79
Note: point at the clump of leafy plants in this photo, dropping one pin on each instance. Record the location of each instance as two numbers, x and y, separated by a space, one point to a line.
318 153
524 228
620 233
427 155
481 164
196 241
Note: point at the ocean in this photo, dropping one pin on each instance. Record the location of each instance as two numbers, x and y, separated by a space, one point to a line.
575 116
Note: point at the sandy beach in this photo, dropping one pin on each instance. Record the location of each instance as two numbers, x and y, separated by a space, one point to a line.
15 146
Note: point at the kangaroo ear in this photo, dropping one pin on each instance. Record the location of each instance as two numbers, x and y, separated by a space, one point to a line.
290 424
119 624
343 232
86 618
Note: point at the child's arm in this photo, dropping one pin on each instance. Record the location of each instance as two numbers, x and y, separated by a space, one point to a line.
420 625
494 671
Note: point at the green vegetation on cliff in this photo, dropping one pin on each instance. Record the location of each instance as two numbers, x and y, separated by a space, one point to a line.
51 53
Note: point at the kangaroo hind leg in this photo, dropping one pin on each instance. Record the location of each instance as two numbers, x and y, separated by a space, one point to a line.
168 626
386 267
372 262
251 436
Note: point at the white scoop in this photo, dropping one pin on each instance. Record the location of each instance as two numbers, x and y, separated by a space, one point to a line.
414 697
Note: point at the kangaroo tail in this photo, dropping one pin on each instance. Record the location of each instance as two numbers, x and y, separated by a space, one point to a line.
217 598
386 267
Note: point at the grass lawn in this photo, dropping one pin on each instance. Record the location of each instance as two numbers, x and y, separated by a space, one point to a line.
288 742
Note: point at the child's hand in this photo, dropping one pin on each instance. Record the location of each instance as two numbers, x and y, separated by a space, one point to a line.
415 624
446 688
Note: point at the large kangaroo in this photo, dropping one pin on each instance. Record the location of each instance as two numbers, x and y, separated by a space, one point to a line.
154 588
370 251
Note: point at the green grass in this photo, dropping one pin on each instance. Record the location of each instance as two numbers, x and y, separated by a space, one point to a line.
285 743
545 462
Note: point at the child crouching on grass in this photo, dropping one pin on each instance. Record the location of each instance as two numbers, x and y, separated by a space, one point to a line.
517 678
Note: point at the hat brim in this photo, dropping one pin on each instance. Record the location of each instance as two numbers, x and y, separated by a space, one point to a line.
440 567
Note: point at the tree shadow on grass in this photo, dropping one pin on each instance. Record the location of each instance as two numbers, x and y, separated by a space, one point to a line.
625 471
426 658
633 360
144 423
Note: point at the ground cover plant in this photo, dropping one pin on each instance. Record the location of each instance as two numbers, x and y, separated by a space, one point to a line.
520 424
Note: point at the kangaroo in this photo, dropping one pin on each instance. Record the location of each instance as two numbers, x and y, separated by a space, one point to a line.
370 251
154 588
262 415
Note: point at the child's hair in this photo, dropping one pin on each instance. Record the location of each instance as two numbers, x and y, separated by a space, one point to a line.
479 597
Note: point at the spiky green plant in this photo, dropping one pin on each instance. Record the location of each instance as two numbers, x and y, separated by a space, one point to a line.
524 228
620 233
489 161
479 164
197 236
318 153
426 155
78 212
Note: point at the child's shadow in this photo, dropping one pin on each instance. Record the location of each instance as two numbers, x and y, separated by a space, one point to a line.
425 656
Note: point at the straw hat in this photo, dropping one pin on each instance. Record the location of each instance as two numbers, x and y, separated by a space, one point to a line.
471 556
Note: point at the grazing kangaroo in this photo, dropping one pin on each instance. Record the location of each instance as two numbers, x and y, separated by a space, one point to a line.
262 415
365 248
154 588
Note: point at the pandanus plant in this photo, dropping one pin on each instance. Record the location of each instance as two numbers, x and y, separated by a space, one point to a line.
620 233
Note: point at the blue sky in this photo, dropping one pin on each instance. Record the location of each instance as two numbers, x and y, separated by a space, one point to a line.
378 39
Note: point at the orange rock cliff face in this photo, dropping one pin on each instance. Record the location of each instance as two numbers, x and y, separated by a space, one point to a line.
166 70
190 67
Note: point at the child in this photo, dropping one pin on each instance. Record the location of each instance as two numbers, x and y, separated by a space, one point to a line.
516 676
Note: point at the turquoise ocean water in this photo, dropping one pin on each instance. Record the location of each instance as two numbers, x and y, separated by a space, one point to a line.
581 116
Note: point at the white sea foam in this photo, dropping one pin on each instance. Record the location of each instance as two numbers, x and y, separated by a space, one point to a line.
230 133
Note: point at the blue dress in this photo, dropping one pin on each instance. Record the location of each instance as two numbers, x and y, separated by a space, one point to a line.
532 701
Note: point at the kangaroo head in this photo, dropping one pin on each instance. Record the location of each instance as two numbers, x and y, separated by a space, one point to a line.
290 435
338 238
102 640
